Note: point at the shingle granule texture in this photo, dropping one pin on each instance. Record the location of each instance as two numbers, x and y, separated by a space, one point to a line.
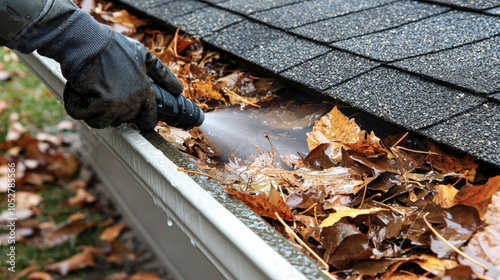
329 70
472 4
278 55
403 98
437 33
367 21
477 132
203 22
306 12
475 67
243 36
248 7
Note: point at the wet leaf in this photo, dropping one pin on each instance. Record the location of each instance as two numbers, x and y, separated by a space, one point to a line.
445 196
337 130
446 163
335 180
342 212
485 245
265 205
205 89
474 194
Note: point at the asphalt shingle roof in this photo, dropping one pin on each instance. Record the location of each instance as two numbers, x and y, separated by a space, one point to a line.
431 66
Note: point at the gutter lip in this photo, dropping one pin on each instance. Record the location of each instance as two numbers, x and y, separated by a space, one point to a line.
249 249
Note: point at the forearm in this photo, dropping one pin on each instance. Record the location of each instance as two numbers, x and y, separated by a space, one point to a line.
58 30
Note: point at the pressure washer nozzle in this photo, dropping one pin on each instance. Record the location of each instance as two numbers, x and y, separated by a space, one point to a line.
176 110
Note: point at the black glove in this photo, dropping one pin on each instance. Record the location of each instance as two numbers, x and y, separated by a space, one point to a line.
113 87
107 73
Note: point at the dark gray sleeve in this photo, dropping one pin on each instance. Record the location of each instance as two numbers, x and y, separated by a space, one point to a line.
63 32
16 14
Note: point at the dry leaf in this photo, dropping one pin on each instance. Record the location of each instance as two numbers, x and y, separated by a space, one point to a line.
78 261
120 252
112 232
61 233
145 276
81 197
40 275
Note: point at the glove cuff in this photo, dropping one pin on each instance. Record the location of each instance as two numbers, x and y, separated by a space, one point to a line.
71 37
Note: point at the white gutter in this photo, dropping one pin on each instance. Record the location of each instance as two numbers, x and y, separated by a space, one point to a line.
238 249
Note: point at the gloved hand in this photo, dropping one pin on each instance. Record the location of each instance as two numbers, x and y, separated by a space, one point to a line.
113 87
107 73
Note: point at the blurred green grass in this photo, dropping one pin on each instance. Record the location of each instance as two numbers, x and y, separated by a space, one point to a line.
27 96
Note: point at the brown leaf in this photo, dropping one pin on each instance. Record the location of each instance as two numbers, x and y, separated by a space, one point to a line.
81 197
206 89
40 275
112 232
434 265
145 276
445 196
120 253
337 130
15 129
473 194
78 261
446 163
27 199
485 245
3 105
263 204
61 233
342 212
335 180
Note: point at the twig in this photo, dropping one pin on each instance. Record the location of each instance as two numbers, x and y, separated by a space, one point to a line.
451 246
316 215
412 224
310 207
202 174
463 175
302 242
364 193
400 139
416 151
258 149
392 208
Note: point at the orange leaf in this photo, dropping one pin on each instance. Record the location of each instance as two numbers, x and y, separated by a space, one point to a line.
112 232
347 212
206 89
450 164
265 205
445 196
78 261
473 194
340 131
145 276
40 275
